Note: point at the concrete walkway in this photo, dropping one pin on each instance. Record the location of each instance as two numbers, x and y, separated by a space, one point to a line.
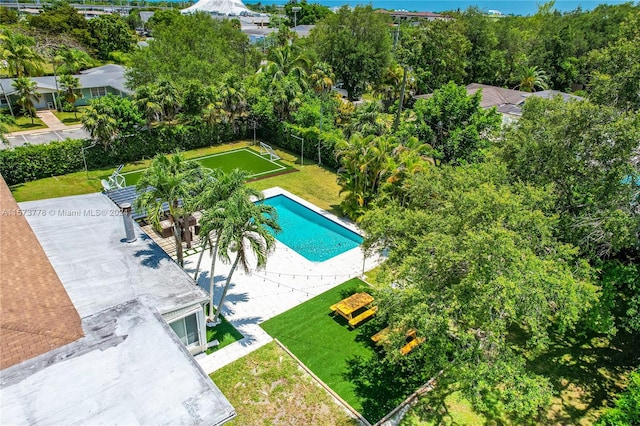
50 120
288 280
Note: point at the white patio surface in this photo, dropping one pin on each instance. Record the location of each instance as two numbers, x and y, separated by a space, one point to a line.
287 281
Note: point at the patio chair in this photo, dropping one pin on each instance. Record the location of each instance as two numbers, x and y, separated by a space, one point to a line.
105 185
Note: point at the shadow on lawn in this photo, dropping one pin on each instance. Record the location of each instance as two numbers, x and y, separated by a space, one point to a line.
379 384
587 371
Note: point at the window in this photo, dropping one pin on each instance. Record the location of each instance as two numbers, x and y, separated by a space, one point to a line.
187 330
96 92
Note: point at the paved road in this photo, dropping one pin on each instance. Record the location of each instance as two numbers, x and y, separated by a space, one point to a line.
44 136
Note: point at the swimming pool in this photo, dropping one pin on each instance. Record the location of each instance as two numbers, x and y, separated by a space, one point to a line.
310 234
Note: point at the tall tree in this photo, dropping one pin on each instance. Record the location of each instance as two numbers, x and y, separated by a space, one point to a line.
244 235
19 55
470 260
436 51
70 86
111 34
27 95
169 183
356 43
454 124
193 47
586 153
219 187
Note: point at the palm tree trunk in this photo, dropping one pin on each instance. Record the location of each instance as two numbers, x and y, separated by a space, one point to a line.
226 286
177 232
204 248
212 276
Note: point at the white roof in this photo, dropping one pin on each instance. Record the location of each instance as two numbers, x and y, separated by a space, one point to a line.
221 7
129 369
83 237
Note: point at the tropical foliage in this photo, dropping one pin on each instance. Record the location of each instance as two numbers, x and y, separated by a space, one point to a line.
168 188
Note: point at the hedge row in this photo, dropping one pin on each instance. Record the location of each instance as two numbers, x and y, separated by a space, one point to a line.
31 162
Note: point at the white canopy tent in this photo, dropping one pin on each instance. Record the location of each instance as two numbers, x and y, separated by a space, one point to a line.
219 7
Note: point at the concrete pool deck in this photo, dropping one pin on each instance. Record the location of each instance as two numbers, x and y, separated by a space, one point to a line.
287 281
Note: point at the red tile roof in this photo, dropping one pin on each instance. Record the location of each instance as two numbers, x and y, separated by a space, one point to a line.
36 313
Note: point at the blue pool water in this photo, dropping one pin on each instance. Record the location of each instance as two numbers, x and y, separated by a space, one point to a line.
310 234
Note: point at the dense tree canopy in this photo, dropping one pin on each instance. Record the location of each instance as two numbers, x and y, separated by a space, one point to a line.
453 123
193 47
356 43
469 258
585 151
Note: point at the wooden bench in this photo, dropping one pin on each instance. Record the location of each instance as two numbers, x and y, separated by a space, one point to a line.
380 335
353 322
165 228
334 307
411 345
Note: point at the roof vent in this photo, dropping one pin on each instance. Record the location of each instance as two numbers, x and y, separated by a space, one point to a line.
128 222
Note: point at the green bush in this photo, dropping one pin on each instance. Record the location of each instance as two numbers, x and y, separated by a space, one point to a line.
31 162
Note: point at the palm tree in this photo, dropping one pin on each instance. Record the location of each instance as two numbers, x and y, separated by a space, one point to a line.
68 60
69 84
168 97
99 121
286 61
220 188
368 120
531 78
148 103
322 77
19 54
27 94
244 234
168 184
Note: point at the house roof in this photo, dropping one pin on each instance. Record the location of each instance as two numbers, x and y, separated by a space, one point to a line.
110 75
130 369
506 101
30 324
83 237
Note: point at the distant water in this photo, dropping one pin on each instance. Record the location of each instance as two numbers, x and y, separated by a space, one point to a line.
506 7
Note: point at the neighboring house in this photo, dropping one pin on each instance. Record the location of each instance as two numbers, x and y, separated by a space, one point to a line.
94 83
95 329
507 102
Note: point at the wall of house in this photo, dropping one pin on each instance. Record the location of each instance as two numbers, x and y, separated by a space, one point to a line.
190 322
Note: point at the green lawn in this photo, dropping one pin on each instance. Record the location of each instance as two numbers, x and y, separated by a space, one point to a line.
225 333
321 341
24 123
313 183
70 117
244 158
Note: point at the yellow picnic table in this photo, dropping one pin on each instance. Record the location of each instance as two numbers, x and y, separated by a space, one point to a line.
347 307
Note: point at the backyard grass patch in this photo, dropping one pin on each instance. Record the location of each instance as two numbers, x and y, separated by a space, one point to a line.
323 342
267 387
225 333
243 158
313 183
